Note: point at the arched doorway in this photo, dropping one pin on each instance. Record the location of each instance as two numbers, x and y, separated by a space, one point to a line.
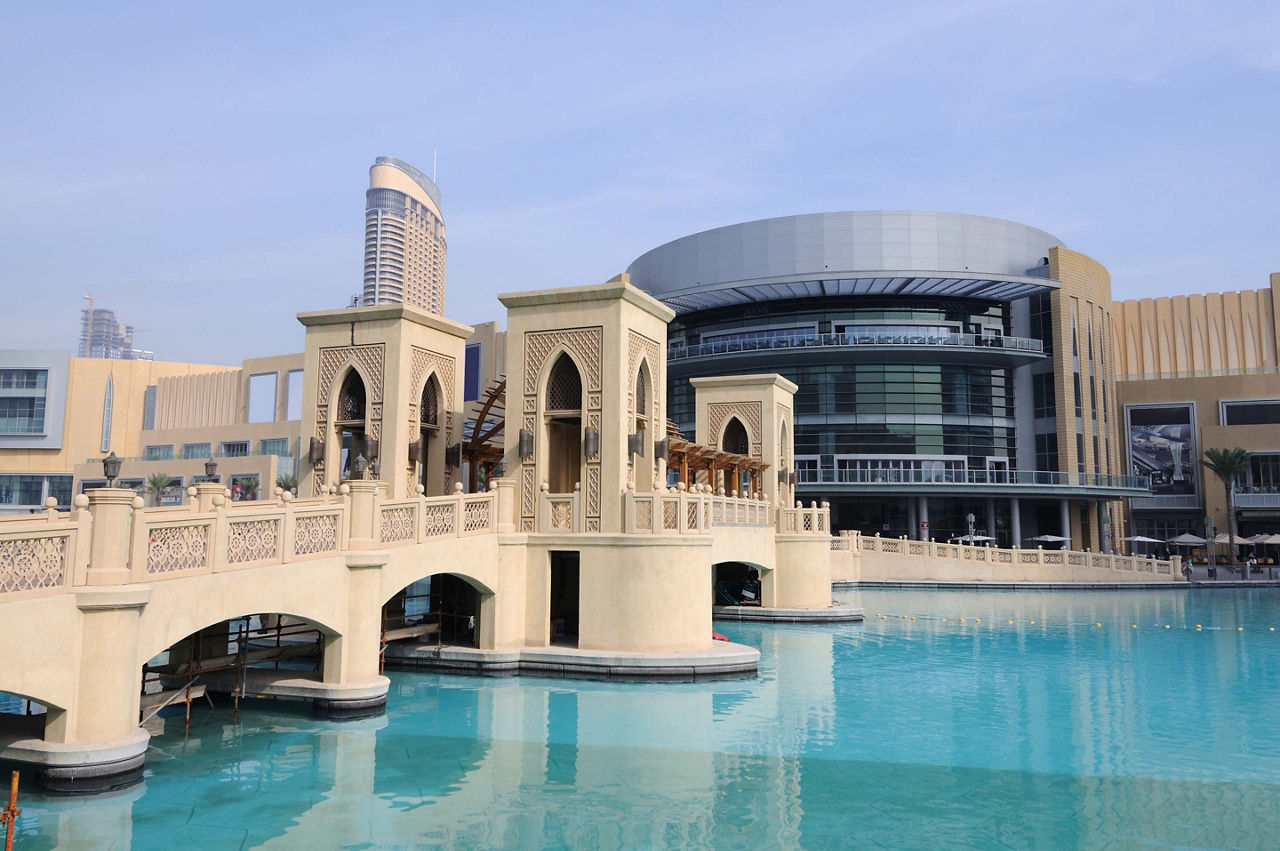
563 415
438 610
734 439
349 421
736 583
430 449
642 463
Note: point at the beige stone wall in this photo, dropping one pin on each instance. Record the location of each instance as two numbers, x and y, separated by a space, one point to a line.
86 394
1190 335
1081 306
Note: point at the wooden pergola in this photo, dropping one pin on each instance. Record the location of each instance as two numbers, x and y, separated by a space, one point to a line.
482 440
690 458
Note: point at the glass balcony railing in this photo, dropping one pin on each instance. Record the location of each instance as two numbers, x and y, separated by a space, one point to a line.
855 339
834 475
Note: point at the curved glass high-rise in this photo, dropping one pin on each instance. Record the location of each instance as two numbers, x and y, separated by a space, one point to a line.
404 242
948 365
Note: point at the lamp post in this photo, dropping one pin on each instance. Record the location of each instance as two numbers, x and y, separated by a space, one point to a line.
1208 543
210 470
111 468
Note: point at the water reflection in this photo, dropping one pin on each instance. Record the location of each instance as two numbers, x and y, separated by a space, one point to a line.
948 732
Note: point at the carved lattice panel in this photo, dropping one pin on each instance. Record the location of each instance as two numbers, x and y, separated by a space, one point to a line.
315 533
27 564
252 540
564 386
174 548
438 520
397 524
475 515
368 360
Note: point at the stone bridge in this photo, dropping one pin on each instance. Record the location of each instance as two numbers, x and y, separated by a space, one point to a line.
88 597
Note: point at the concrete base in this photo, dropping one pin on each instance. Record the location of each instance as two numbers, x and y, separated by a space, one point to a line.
827 614
341 700
723 660
77 767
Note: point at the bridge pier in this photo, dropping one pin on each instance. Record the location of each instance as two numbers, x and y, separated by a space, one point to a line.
351 686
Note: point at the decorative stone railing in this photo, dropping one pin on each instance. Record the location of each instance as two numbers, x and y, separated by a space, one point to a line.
44 553
110 537
1015 556
681 511
814 520
560 512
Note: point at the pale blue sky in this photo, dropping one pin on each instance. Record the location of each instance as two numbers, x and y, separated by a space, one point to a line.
209 161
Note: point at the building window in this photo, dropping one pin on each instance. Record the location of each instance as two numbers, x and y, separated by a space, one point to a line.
293 405
274 446
21 490
22 415
1079 401
244 488
149 408
60 489
261 407
1042 390
471 372
23 379
1264 472
1079 452
196 450
235 448
1046 452
159 453
108 401
1255 412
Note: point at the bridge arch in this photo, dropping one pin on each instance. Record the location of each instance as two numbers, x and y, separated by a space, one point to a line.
438 605
187 624
738 583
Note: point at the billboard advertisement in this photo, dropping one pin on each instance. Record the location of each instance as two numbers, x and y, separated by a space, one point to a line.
1162 445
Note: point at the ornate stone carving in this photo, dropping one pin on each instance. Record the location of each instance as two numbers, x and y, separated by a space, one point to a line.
315 533
397 524
33 563
368 358
475 515
252 540
438 520
174 548
749 413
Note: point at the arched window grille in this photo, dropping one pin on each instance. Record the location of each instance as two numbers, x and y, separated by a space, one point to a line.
642 401
429 410
735 438
564 386
351 404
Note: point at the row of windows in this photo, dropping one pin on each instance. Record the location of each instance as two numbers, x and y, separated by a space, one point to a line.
29 490
23 379
21 414
1259 412
229 449
905 439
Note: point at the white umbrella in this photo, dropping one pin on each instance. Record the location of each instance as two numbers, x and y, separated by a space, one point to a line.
1186 539
1260 538
1142 539
972 538
1225 538
1048 539
1274 539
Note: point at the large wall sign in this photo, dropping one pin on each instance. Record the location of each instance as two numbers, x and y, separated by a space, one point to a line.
1162 445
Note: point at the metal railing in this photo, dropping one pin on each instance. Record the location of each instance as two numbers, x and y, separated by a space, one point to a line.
909 476
854 339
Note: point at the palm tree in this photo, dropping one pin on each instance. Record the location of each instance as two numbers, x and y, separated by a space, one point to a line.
288 483
1229 465
157 484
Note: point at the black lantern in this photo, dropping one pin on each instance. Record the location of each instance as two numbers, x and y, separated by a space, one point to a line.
211 470
111 468
590 442
358 467
526 444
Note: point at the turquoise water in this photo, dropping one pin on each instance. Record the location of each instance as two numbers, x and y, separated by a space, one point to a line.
897 733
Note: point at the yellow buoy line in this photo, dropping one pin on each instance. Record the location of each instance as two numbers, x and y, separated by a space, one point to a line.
1031 622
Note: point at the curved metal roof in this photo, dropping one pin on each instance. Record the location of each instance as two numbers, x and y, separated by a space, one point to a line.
428 185
849 253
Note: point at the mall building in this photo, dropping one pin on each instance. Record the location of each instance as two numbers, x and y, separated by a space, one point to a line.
957 374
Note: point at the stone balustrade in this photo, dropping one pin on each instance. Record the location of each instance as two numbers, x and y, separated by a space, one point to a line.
1009 557
680 510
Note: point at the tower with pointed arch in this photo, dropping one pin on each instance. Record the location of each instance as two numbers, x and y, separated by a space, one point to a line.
382 383
751 416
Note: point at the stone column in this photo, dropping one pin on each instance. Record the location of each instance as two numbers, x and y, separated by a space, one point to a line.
1015 521
1064 520
205 493
112 512
352 686
991 520
923 533
364 501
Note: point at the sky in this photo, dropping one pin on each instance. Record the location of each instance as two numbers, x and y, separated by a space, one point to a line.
201 168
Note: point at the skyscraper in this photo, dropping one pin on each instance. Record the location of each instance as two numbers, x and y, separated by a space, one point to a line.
103 336
404 244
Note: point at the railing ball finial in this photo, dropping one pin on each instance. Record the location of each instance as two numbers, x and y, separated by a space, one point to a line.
344 489
544 487
80 501
138 502
457 487
420 489
51 502
287 496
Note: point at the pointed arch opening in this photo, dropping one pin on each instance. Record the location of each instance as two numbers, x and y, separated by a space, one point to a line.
642 461
350 422
430 447
734 439
562 401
